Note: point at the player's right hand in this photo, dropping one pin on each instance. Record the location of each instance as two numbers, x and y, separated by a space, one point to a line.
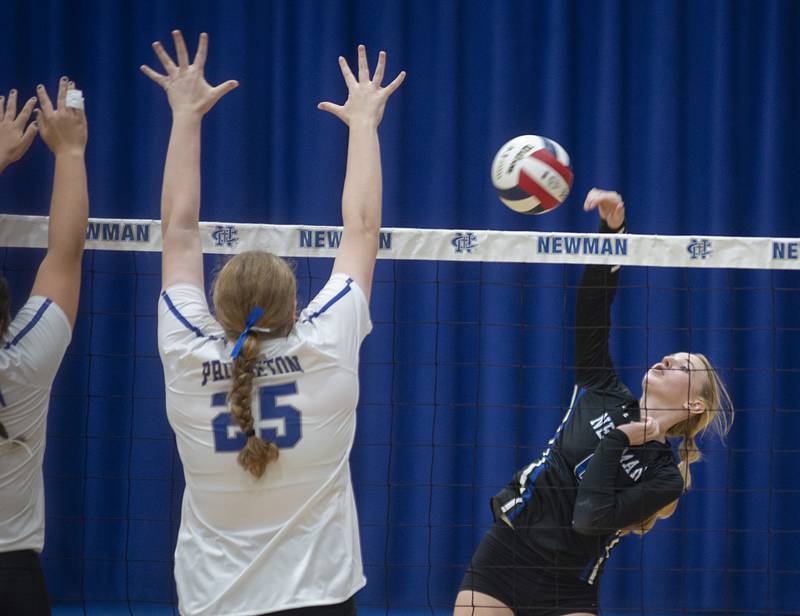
640 432
62 128
366 98
15 137
609 206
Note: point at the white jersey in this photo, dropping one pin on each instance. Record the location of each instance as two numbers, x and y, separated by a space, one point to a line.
290 539
30 354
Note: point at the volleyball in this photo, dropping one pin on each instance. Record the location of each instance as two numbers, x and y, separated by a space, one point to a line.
532 174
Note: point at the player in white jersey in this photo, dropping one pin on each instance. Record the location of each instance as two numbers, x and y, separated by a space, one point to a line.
263 402
32 345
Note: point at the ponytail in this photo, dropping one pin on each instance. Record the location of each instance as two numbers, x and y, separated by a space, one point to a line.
256 453
255 296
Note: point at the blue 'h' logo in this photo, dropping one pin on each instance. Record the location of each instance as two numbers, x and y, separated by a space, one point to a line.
699 249
225 236
465 242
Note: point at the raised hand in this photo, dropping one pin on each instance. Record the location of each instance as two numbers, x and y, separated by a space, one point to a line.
188 92
15 137
609 206
62 128
366 99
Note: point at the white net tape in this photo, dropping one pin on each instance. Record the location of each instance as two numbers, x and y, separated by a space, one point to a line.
435 244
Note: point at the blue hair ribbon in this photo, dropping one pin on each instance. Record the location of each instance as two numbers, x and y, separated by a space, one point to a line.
255 314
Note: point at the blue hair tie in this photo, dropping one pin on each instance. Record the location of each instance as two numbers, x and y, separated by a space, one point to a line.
255 314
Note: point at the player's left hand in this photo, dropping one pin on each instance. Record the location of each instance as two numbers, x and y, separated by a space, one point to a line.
366 99
609 205
15 137
187 90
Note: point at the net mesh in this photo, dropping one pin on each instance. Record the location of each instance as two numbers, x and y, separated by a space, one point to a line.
464 378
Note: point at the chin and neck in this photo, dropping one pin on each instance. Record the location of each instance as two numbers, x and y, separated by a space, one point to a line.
667 413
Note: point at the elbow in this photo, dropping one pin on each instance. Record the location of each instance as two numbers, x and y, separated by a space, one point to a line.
584 525
585 520
365 224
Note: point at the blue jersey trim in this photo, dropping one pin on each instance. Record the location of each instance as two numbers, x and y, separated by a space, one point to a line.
30 325
183 320
528 490
331 301
543 463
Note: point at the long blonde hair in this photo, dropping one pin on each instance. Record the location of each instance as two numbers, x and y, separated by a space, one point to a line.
253 279
717 416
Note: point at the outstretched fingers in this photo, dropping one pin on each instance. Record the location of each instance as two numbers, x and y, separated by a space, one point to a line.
336 110
44 99
27 137
180 49
222 89
61 98
25 113
349 78
389 90
202 51
363 66
377 78
164 58
11 106
150 73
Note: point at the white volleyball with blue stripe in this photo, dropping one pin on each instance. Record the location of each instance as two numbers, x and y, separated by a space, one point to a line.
532 174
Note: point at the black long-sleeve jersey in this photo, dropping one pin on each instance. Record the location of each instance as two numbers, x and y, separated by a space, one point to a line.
572 503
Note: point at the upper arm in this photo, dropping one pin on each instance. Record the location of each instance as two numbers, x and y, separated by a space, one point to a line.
182 257
184 320
356 257
340 314
59 279
593 363
41 333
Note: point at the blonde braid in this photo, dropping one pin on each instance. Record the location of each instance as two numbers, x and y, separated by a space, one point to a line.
257 452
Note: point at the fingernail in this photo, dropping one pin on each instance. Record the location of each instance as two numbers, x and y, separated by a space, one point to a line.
13 91
39 87
63 78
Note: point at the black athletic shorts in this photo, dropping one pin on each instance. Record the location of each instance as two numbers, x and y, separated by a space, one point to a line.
22 587
507 569
348 608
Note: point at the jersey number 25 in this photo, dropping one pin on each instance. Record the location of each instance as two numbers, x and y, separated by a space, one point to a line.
228 437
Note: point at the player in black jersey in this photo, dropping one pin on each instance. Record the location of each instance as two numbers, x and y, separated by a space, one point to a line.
608 470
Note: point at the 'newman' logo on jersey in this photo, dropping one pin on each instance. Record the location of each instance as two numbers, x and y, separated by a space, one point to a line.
602 425
631 465
628 462
221 371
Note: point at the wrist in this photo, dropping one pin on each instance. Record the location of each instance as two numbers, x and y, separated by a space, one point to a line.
363 123
186 117
71 151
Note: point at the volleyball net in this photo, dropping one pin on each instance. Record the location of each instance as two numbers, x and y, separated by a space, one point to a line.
464 378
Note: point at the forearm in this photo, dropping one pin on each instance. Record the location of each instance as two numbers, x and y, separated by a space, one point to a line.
602 508
180 192
69 207
596 293
361 197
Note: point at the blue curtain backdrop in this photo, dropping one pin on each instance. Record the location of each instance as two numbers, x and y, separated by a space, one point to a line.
688 108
